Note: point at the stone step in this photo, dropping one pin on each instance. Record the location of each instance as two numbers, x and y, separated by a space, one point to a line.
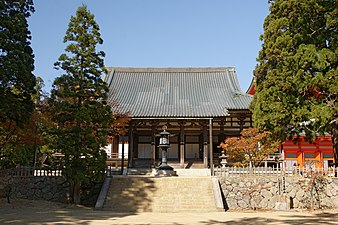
165 194
193 172
197 172
140 171
187 165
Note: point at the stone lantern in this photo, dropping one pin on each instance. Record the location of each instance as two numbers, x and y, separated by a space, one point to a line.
223 158
164 169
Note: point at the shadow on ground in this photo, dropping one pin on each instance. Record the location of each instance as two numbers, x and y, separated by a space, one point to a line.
294 219
58 216
43 212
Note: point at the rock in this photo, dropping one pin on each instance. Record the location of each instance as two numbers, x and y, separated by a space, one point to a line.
272 201
266 194
229 188
334 201
295 203
326 203
239 195
333 191
274 190
49 196
263 203
225 193
329 192
246 199
231 195
232 203
300 194
254 201
292 193
334 186
281 206
242 204
289 188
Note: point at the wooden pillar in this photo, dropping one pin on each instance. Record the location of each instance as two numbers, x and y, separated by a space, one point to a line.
201 145
122 158
115 147
211 148
182 144
135 144
205 147
153 145
131 145
251 122
241 122
221 136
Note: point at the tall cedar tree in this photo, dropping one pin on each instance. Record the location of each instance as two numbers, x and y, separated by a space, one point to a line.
78 104
17 81
297 71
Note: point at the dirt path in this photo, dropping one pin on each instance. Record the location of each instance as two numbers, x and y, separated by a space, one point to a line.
43 212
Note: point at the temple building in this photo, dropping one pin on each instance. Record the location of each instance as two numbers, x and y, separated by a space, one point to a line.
199 106
302 153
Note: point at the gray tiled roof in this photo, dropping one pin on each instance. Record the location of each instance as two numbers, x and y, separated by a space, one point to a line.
176 92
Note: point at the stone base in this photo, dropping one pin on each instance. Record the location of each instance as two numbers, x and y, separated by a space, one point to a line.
165 167
165 173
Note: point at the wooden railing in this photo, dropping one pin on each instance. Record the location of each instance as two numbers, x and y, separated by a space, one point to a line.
115 159
117 156
24 171
27 171
271 171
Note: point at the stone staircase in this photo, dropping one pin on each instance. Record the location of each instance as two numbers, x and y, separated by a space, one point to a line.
160 194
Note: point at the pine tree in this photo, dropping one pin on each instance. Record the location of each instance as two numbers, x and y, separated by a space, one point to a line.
17 81
297 71
78 104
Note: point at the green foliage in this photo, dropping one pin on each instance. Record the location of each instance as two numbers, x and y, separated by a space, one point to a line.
17 81
20 144
16 62
78 103
20 155
296 75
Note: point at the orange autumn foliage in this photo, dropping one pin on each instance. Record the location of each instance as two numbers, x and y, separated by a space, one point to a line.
253 146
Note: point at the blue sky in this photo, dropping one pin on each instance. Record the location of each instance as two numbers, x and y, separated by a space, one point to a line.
156 33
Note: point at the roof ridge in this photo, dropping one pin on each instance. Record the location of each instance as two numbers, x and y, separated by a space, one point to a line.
172 69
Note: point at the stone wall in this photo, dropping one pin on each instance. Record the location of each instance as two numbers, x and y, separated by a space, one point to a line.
263 192
37 188
45 188
239 192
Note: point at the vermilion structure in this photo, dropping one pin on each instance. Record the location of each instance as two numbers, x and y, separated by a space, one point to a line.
302 153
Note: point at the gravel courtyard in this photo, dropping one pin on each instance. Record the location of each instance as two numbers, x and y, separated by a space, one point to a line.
43 212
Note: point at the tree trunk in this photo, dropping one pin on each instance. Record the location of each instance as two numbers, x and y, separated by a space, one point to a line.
75 191
335 143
